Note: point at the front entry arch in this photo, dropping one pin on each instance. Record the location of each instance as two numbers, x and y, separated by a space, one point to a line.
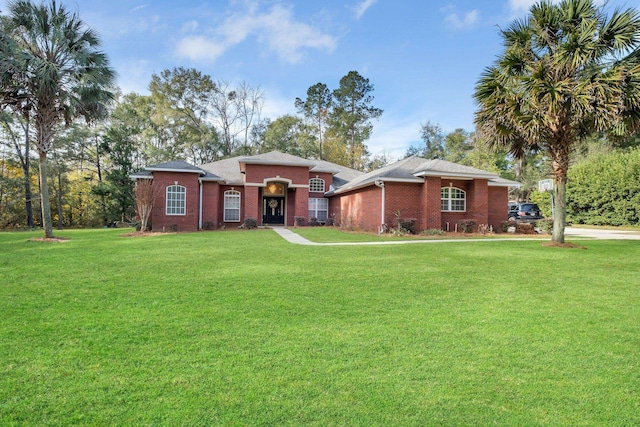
273 204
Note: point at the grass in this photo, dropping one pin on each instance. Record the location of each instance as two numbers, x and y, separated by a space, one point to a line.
242 328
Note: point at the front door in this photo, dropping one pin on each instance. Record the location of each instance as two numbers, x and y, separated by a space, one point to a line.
273 210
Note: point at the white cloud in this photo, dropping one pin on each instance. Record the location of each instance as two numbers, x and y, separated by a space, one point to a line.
362 7
277 29
199 47
469 20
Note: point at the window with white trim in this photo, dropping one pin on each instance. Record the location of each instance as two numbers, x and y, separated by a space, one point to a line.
319 208
176 200
231 206
453 199
316 185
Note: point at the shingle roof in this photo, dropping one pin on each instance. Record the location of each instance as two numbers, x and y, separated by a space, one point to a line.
177 165
230 169
413 169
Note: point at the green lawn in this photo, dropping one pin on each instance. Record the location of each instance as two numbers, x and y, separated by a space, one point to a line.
243 328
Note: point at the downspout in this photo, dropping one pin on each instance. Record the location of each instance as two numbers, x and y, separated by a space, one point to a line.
382 229
200 209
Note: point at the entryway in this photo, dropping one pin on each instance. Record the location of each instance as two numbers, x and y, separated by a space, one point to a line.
273 210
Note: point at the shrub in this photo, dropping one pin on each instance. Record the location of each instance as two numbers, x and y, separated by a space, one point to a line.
250 223
300 221
208 225
330 221
313 222
410 226
505 225
525 228
467 226
605 189
545 225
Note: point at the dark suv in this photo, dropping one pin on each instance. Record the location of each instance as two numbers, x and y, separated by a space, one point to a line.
524 212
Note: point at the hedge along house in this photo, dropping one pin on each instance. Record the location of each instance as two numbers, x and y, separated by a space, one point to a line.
280 189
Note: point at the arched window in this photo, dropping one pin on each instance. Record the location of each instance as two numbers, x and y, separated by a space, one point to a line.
231 206
316 185
176 200
453 199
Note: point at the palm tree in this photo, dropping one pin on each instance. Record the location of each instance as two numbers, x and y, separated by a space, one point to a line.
567 70
51 66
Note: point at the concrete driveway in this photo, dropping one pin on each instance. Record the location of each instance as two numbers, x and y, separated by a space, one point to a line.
601 234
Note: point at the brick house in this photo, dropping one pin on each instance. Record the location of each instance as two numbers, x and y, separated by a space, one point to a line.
275 188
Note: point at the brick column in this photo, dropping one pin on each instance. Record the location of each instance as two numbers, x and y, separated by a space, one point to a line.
251 203
302 204
431 217
478 200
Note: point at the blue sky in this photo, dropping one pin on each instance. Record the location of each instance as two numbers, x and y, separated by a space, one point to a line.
423 57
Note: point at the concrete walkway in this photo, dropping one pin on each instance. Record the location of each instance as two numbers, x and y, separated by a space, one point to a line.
292 237
297 239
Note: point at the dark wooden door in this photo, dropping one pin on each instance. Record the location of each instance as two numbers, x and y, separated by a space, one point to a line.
273 210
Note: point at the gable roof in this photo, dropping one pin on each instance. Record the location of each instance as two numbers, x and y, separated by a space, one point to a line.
413 170
175 166
231 170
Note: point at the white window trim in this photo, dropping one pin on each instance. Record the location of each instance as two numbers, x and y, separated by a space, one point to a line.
316 210
316 180
449 199
234 194
173 209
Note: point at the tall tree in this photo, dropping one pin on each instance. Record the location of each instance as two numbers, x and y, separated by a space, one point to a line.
567 70
316 109
52 62
433 138
352 115
182 99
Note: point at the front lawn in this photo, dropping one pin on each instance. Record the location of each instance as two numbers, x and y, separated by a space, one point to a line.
243 328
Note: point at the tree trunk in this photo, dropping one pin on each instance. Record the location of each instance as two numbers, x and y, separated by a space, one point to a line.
26 166
44 197
560 165
559 210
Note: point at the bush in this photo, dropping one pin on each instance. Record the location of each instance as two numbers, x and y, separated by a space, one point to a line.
467 226
410 226
525 228
300 221
250 223
330 221
313 222
605 189
545 225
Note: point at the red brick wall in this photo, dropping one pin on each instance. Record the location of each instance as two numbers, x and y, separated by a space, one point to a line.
430 213
498 202
403 197
187 222
359 208
211 213
258 173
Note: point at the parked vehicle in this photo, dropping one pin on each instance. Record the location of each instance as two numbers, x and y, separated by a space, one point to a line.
524 212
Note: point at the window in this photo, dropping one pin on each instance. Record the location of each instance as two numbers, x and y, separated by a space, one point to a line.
176 200
231 206
316 185
319 209
453 199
